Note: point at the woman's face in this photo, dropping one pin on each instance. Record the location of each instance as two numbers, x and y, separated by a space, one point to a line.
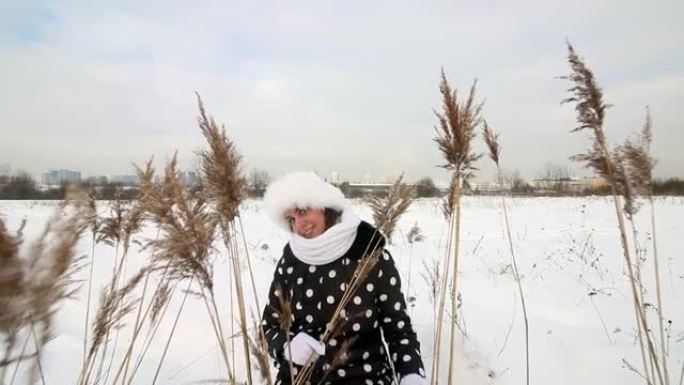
307 223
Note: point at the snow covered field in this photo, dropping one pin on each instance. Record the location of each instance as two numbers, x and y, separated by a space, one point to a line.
581 319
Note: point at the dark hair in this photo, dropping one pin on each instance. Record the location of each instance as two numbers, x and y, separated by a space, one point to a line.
331 217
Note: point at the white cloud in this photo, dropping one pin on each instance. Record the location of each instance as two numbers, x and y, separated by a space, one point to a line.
346 86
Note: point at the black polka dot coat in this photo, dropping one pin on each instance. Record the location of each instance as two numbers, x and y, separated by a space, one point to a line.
376 330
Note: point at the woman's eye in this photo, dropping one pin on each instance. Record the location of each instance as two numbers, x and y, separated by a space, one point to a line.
301 211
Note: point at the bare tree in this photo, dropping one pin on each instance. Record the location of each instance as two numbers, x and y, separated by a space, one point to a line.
554 177
257 182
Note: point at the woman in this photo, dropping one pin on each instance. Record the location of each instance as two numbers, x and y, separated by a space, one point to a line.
327 241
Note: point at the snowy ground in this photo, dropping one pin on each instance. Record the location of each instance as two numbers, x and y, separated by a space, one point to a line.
580 311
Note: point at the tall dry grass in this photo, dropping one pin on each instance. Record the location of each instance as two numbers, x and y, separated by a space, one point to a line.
492 142
387 209
458 122
628 170
35 283
225 187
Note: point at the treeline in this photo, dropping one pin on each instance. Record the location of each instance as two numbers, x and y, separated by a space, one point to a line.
23 187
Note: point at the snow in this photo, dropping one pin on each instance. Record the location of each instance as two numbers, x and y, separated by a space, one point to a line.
581 318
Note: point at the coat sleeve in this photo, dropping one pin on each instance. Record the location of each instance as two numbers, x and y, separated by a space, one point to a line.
271 325
404 348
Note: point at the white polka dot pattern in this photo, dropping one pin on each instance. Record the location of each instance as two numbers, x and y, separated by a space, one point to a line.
378 303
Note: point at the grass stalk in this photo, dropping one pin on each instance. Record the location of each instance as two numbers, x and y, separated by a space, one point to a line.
136 330
520 289
139 319
23 351
38 364
125 363
231 293
590 108
440 308
88 298
640 315
218 330
492 141
147 342
661 318
116 268
231 245
454 280
262 340
173 330
289 351
456 130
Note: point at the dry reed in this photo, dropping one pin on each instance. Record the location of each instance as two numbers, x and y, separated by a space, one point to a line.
639 165
387 209
225 187
455 132
492 142
590 107
12 286
185 245
256 348
94 226
285 317
34 285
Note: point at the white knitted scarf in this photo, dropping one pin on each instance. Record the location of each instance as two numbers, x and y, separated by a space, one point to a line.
330 245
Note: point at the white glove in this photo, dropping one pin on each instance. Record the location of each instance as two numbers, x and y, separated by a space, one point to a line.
413 379
302 348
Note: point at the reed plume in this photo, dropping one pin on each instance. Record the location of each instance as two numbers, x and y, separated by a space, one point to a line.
52 264
12 286
224 186
639 165
12 276
187 233
114 306
455 132
33 287
590 107
492 142
152 203
160 299
387 209
223 181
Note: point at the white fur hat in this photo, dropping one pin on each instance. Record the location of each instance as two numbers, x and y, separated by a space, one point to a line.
303 189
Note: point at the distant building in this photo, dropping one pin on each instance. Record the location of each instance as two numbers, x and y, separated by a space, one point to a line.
5 169
126 180
490 187
97 180
55 177
571 185
334 178
189 178
361 189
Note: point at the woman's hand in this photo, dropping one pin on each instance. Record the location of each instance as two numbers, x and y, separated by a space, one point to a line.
302 348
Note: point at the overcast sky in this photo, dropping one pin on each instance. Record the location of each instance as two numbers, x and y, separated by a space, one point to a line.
347 85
